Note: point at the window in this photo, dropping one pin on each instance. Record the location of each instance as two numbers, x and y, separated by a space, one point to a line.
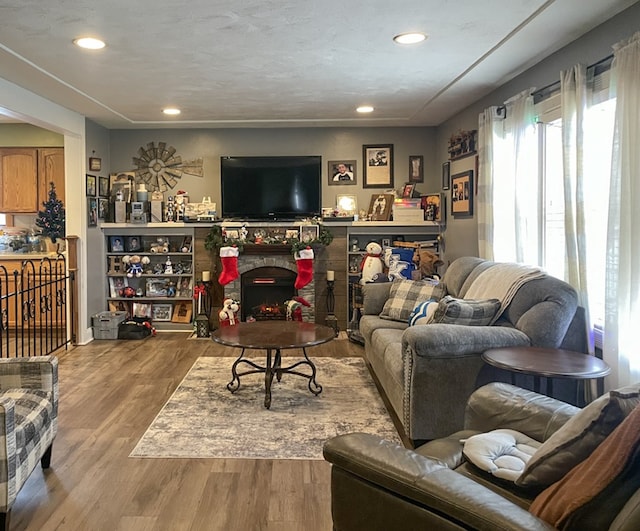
598 137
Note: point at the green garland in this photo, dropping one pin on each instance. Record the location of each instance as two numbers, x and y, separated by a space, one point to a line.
215 240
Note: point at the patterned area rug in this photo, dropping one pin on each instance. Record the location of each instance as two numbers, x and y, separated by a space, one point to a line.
203 419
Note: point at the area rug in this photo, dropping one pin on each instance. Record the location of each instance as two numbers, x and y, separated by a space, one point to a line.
203 419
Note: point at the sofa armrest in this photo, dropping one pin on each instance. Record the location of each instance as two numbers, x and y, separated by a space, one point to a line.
37 372
375 294
501 405
426 483
450 340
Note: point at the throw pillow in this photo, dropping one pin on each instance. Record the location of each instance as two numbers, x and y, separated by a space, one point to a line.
405 294
466 312
579 437
423 313
592 494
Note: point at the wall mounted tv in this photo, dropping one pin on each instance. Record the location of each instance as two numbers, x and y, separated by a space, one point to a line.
271 188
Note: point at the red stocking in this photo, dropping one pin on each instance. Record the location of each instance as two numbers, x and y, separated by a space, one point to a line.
229 258
304 262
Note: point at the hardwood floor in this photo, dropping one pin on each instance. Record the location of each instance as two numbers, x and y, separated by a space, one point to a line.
110 391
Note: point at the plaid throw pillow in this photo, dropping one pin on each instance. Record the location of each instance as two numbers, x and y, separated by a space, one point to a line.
404 295
466 312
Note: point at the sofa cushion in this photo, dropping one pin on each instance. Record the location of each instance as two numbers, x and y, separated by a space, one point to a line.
405 294
579 437
466 312
594 492
423 313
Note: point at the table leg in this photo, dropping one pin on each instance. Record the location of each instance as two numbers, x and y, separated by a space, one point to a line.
312 378
234 384
268 379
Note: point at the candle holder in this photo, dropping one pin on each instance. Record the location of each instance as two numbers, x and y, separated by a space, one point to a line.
331 320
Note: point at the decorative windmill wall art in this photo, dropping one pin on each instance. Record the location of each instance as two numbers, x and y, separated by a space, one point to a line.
159 168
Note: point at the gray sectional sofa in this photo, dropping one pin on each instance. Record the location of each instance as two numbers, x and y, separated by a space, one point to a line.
427 372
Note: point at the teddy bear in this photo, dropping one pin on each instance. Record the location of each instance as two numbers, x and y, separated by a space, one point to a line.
229 313
427 262
372 262
133 264
160 246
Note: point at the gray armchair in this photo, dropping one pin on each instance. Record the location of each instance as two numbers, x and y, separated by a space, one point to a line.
28 423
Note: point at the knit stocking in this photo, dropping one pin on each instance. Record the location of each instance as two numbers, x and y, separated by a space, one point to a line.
229 258
304 263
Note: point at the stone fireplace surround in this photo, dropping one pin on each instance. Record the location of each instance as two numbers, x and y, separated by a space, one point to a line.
249 262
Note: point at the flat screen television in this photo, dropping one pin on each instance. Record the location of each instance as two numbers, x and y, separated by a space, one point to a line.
271 188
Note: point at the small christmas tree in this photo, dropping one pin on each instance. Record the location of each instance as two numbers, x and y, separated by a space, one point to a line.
51 219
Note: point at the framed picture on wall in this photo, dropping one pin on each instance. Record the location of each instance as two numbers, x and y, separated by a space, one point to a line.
378 165
342 172
103 187
91 186
462 194
92 212
416 170
446 174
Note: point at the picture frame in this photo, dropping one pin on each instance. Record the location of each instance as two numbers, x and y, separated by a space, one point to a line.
462 194
133 244
380 207
446 175
116 284
141 310
156 287
309 233
121 184
434 207
90 190
103 186
116 244
185 287
161 312
407 190
182 312
92 212
347 205
378 166
103 208
341 172
386 242
95 164
416 169
120 306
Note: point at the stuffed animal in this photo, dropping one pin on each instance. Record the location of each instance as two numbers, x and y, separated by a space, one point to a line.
427 263
294 308
160 246
133 264
229 313
371 263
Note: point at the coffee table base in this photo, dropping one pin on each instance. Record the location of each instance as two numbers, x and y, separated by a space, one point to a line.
273 367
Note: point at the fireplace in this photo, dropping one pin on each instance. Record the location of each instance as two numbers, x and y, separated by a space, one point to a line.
263 292
262 264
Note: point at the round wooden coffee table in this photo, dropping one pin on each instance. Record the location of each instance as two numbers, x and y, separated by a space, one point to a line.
547 362
273 336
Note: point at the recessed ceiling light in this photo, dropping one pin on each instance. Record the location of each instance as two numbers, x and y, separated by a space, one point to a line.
365 108
410 38
171 110
89 43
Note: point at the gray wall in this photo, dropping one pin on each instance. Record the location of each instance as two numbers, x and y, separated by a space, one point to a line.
330 143
462 235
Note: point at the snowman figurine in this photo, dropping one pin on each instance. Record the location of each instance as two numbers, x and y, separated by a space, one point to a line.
371 263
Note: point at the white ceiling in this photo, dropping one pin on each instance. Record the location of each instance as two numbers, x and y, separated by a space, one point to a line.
277 63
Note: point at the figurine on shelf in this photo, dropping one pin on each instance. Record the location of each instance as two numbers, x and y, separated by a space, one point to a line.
171 289
372 262
168 266
134 264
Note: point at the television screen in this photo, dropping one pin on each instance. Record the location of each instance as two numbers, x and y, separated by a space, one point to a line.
271 187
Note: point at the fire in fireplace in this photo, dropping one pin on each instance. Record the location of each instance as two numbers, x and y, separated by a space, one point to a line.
264 291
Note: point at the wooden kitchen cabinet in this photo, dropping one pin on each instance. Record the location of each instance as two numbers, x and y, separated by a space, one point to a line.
18 180
25 174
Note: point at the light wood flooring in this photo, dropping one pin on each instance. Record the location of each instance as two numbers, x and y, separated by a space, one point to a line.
110 391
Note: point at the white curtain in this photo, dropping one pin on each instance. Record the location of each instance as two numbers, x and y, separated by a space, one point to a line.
509 164
622 304
573 96
489 132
